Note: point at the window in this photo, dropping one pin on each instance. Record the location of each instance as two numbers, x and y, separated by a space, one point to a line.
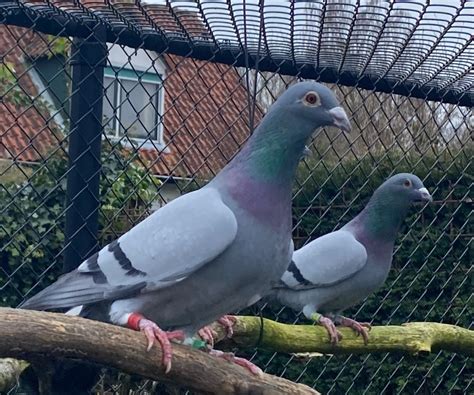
133 104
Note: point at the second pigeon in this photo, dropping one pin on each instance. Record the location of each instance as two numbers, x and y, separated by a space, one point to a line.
339 269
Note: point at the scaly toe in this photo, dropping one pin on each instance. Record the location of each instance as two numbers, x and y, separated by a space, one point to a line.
153 333
176 335
365 334
230 357
251 367
334 335
150 337
360 328
162 338
228 322
208 335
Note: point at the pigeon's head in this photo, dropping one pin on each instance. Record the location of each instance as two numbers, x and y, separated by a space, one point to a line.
309 105
278 143
406 187
389 205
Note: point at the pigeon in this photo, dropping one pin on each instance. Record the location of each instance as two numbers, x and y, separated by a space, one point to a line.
210 251
341 268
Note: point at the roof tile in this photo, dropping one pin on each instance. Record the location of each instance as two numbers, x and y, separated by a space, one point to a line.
205 116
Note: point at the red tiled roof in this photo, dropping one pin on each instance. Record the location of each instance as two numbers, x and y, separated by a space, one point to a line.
205 113
26 132
205 117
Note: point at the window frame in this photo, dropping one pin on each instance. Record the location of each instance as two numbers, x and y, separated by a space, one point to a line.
117 74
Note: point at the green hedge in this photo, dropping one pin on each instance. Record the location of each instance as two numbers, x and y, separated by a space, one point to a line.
33 214
429 280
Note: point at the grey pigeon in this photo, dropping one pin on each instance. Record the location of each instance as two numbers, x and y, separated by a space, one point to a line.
211 251
339 269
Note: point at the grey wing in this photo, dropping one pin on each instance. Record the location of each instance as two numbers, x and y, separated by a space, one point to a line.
165 248
326 261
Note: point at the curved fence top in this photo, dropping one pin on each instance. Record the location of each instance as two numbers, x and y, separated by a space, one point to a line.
414 48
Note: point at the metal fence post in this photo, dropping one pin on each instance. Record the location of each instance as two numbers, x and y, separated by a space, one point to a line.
88 58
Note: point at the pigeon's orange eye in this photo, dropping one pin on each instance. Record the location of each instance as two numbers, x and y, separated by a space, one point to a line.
407 183
312 98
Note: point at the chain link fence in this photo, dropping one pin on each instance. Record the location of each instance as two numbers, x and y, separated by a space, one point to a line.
111 109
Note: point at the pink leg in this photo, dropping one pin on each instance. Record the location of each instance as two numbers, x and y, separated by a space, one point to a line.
228 356
207 334
361 328
334 334
228 322
153 332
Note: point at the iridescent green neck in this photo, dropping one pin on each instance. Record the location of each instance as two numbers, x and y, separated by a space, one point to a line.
273 152
274 160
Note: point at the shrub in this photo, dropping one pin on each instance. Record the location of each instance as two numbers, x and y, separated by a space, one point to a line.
33 214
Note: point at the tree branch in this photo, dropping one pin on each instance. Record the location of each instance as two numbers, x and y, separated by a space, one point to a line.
31 334
411 338
48 335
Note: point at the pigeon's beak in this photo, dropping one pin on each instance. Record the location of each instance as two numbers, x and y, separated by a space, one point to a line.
425 195
339 119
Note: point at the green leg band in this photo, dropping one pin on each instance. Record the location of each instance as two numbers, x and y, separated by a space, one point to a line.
316 317
199 344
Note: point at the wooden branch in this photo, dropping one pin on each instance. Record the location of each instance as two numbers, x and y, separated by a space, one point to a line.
30 334
411 338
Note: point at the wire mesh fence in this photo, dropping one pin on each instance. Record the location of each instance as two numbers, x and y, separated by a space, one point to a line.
174 89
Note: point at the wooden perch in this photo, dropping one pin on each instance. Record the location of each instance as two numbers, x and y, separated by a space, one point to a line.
30 334
411 338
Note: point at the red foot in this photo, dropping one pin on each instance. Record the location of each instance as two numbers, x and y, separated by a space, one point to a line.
154 332
228 322
228 356
207 334
361 328
334 334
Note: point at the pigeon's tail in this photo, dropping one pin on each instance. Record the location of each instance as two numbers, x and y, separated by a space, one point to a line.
72 289
75 289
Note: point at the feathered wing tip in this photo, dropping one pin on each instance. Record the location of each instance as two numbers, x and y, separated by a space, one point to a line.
64 293
75 289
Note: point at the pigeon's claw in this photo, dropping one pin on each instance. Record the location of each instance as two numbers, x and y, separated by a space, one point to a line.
208 335
152 333
334 335
228 356
361 328
228 322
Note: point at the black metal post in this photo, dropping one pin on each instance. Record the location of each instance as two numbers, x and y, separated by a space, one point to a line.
88 58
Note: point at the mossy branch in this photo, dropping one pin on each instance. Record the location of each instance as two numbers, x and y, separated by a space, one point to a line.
10 370
411 338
